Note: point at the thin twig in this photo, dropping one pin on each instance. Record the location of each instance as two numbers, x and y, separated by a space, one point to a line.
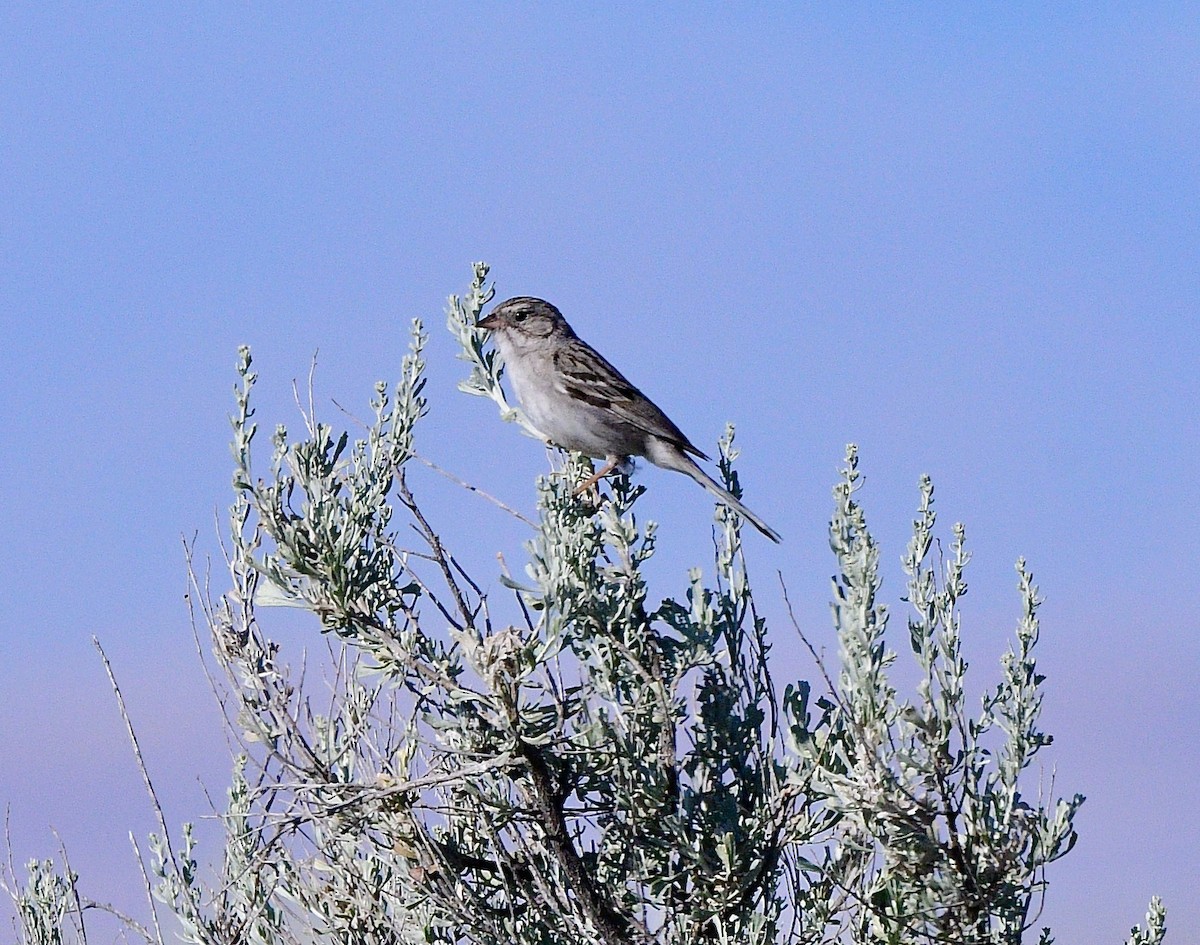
310 416
200 596
71 878
520 600
479 492
804 639
137 855
124 918
11 869
137 749
435 545
350 415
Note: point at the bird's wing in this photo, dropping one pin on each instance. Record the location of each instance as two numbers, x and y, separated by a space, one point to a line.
585 375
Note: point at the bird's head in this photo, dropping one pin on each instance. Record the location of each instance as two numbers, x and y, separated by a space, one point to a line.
526 321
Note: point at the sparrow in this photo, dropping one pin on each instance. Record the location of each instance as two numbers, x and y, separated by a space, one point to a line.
581 402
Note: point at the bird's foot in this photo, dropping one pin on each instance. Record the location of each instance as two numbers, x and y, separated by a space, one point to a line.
590 484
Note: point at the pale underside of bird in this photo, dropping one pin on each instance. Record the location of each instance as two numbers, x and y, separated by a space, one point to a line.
580 402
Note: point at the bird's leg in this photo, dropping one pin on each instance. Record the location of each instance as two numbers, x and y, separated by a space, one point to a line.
611 463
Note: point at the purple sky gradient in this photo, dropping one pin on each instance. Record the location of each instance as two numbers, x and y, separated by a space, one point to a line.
966 237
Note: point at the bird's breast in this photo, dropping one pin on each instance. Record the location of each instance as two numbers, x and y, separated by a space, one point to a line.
566 421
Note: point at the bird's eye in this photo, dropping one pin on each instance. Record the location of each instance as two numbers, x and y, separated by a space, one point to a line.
520 316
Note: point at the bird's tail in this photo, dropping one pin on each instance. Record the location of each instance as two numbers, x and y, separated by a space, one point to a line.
687 465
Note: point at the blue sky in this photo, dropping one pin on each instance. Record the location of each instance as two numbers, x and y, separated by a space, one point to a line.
963 236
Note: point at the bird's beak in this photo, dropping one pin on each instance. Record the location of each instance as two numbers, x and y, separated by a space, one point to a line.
490 323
